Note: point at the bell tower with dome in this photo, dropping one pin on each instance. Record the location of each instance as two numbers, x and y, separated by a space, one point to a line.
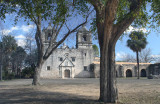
83 38
49 35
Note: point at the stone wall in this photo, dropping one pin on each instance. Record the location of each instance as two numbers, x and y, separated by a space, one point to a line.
126 69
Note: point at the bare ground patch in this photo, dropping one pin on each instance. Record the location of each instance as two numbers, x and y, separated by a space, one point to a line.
77 91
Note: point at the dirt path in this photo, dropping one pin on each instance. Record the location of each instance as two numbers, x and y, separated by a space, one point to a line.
77 91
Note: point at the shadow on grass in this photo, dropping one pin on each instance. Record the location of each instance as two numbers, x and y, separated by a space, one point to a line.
31 96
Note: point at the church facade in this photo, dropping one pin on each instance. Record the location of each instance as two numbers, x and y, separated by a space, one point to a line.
80 62
67 62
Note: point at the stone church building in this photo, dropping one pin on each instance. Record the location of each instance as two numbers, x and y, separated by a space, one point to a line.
68 62
80 62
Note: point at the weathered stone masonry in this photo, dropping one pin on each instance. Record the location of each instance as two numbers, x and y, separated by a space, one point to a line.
68 62
80 62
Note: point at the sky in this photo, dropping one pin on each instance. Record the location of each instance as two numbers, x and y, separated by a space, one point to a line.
21 29
153 40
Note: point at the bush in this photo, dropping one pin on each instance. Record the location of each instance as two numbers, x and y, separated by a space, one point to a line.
28 72
8 76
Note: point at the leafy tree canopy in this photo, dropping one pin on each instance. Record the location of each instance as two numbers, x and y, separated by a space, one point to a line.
54 10
95 50
8 44
126 10
137 41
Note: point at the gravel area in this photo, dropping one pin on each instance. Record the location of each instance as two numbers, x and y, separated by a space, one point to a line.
77 91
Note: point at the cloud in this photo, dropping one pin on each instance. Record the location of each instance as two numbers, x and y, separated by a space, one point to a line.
120 55
26 28
7 31
21 42
131 29
14 28
155 56
20 37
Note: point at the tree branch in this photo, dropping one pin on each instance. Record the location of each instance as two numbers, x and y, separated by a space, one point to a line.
65 36
121 26
67 27
54 32
58 30
28 13
96 3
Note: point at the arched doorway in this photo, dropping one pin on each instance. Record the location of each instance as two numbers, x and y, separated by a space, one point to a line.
143 73
128 73
67 73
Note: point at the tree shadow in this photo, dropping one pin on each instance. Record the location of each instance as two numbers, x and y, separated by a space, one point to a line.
32 96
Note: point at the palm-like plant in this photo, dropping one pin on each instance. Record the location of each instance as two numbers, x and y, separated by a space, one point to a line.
136 43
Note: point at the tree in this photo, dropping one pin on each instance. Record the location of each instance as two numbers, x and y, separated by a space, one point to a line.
113 17
128 58
136 43
7 46
31 58
58 12
31 49
17 59
145 56
155 7
96 50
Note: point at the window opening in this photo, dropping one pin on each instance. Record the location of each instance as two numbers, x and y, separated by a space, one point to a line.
48 68
73 59
60 59
84 38
85 68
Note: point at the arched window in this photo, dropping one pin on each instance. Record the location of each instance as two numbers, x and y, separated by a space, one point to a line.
143 73
128 73
84 38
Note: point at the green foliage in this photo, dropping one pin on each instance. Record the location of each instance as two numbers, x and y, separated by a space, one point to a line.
126 6
8 76
137 41
124 12
95 50
31 58
93 28
8 44
28 72
12 56
155 7
17 58
19 52
6 7
53 10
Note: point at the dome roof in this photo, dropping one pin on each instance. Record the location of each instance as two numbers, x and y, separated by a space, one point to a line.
83 29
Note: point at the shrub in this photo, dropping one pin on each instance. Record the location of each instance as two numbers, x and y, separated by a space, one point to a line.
28 72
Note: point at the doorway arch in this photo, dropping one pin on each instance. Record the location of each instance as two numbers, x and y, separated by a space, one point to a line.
67 73
128 73
143 73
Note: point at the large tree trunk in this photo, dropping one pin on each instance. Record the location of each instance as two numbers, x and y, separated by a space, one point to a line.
137 64
108 88
36 79
108 34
